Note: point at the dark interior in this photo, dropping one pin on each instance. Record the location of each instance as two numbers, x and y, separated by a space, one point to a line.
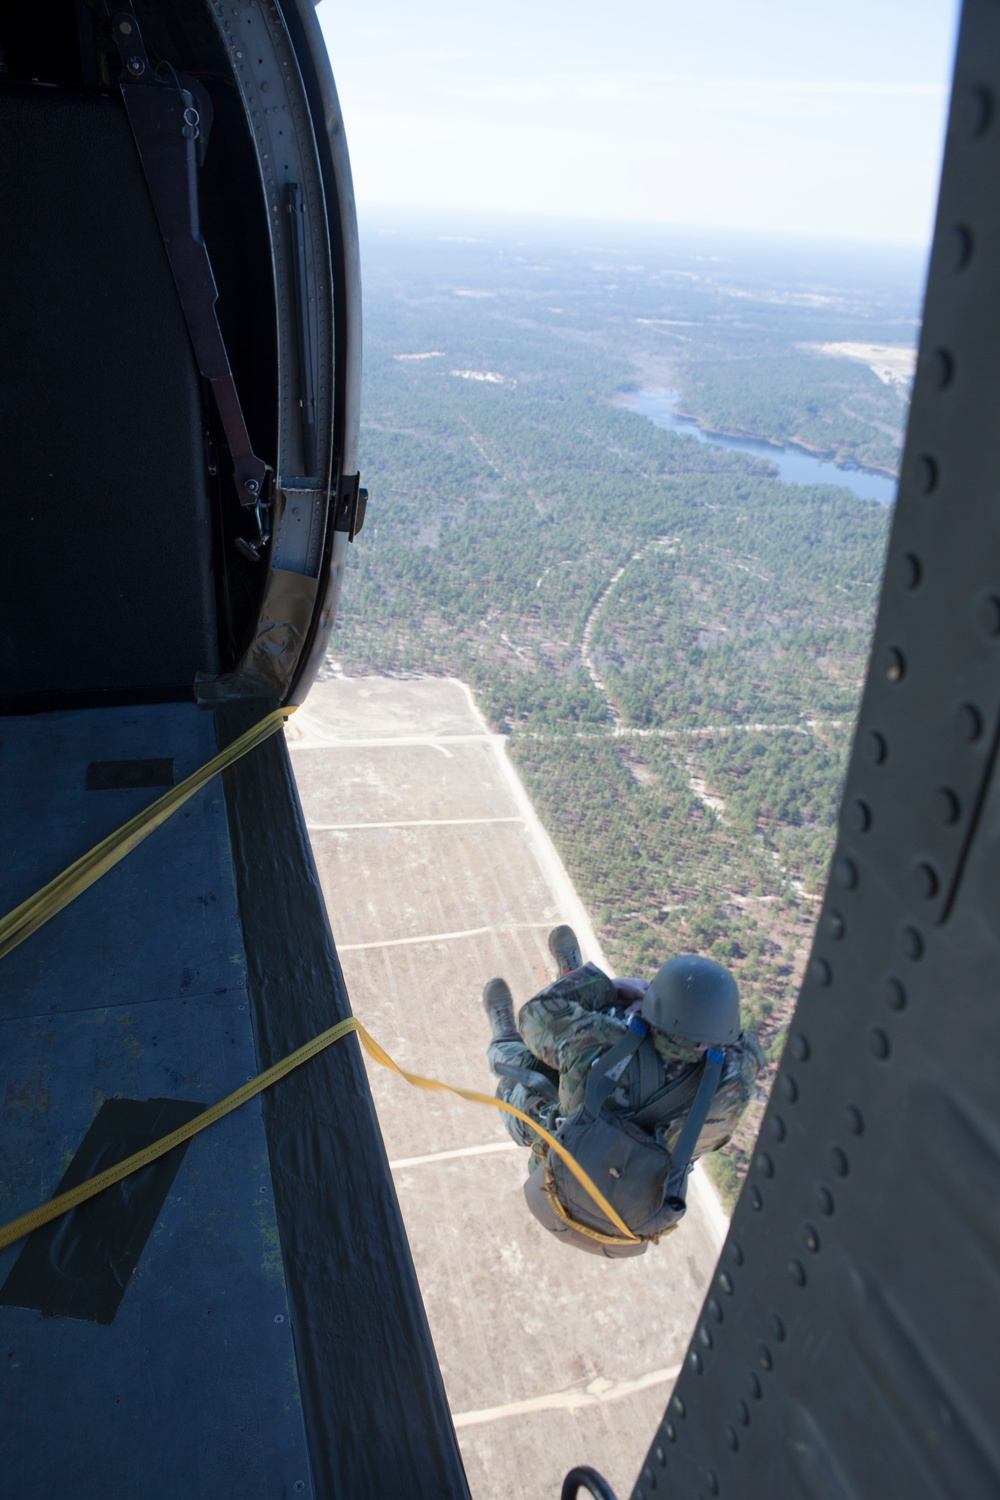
121 578
107 576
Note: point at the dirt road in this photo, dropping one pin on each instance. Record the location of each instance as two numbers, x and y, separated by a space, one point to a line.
438 875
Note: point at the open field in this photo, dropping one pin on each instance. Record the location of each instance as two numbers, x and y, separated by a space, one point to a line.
437 875
894 364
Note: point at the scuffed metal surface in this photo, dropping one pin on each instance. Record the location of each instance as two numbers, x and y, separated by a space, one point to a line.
285 618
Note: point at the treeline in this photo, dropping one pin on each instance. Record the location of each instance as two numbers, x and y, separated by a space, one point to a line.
836 406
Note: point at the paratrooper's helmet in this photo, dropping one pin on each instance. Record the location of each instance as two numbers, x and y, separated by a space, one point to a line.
695 1000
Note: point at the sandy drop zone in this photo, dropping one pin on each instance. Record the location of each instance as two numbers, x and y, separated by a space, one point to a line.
438 875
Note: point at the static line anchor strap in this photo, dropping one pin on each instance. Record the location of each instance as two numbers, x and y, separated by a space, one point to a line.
31 914
46 1212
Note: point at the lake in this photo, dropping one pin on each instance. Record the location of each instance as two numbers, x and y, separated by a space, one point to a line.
794 465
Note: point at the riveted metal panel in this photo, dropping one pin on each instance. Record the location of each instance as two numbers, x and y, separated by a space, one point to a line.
848 1343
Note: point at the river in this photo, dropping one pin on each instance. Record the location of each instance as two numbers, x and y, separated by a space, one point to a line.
794 465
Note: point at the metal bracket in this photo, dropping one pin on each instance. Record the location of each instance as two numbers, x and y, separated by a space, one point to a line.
352 504
166 122
252 550
307 383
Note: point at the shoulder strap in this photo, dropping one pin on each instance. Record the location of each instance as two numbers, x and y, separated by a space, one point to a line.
645 1076
688 1138
609 1067
664 1103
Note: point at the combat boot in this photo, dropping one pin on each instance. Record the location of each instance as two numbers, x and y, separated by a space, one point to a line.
498 1004
565 949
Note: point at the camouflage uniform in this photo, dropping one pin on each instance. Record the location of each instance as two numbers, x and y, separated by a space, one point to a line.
513 1052
569 1024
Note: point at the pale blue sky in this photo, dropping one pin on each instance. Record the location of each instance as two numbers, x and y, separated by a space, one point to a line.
824 117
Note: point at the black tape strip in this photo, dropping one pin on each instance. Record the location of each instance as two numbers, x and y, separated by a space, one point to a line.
116 775
79 1266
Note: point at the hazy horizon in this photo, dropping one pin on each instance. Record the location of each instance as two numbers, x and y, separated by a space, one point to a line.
448 223
790 118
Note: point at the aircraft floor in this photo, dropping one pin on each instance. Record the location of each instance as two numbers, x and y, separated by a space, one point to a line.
138 990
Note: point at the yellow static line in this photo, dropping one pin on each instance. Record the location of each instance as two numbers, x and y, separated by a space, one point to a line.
586 1182
83 872
46 1212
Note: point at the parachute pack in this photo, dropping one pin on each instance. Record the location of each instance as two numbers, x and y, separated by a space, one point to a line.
621 1143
